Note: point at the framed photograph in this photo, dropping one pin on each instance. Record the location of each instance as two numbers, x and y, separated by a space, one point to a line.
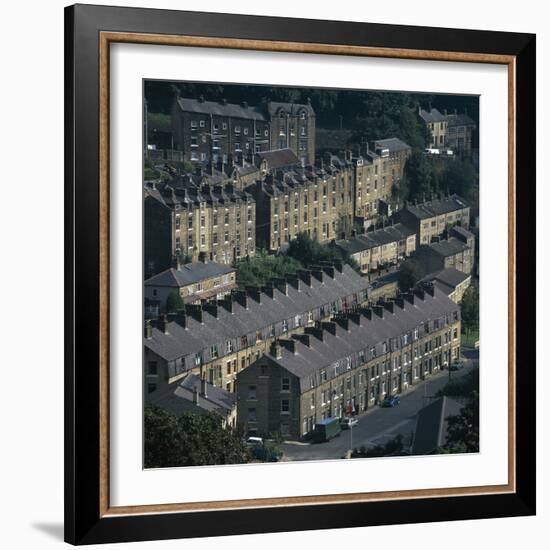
299 274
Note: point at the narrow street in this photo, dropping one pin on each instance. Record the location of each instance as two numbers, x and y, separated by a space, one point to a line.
378 425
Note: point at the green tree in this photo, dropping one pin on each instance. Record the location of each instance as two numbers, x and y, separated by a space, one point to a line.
259 269
410 273
469 308
174 302
419 177
463 429
461 177
191 439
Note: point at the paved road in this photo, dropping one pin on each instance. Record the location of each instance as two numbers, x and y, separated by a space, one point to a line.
379 425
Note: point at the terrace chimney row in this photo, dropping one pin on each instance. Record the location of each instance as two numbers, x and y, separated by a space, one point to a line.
289 344
255 293
195 310
303 338
329 326
315 331
305 275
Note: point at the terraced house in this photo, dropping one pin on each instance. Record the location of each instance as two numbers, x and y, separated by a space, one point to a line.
354 360
219 339
185 221
311 199
431 218
212 131
384 246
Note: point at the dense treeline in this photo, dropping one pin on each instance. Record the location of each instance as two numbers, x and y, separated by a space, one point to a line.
383 113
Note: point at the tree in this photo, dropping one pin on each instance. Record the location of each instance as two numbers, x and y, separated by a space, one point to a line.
461 177
410 273
419 176
191 439
174 302
469 307
259 269
463 429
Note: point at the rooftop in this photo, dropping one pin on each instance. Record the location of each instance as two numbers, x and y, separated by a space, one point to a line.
393 144
188 274
263 309
433 115
335 346
375 238
279 158
447 247
447 279
181 397
437 207
220 108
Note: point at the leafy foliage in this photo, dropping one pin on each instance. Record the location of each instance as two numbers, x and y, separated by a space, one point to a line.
392 447
259 269
410 272
191 439
174 302
469 307
463 386
463 429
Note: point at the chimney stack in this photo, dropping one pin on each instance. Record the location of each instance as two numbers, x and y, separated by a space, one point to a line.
204 388
276 350
148 329
195 310
162 323
241 298
289 345
379 310
315 331
305 275
212 308
180 318
196 398
329 326
282 284
255 293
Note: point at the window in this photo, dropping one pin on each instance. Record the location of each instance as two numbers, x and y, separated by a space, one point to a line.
226 218
190 241
229 346
214 351
226 236
285 406
455 333
285 325
252 415
237 129
285 383
252 393
201 123
152 368
312 401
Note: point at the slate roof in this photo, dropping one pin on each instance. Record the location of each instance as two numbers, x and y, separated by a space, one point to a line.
431 425
221 109
181 342
378 237
437 207
448 247
308 361
447 279
433 115
279 158
179 398
462 232
185 192
188 274
393 144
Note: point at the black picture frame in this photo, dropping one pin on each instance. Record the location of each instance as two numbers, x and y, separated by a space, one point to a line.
84 523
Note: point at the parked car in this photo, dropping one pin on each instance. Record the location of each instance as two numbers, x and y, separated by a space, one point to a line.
457 365
390 401
347 423
253 441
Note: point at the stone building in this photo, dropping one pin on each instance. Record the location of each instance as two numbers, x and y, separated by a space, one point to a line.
452 282
221 338
431 218
194 282
449 131
313 199
213 131
194 394
183 220
351 362
460 133
437 124
384 246
453 251
375 174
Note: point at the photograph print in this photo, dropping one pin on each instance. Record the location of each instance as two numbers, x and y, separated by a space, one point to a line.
310 274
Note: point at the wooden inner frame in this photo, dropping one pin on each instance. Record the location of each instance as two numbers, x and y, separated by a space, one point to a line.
105 39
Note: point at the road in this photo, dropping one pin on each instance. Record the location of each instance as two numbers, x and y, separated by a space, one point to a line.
378 425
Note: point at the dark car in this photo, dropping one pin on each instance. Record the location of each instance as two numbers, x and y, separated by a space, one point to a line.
390 401
457 365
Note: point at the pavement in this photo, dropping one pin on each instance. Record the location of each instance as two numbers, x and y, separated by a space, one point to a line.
378 425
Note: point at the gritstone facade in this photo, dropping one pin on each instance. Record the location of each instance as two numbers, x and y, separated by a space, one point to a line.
221 338
354 360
